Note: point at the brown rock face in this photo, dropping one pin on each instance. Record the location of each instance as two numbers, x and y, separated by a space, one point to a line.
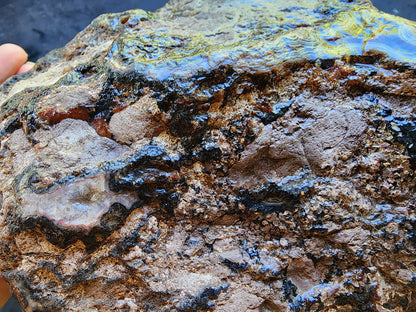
215 156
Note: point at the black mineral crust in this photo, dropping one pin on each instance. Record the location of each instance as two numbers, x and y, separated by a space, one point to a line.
215 156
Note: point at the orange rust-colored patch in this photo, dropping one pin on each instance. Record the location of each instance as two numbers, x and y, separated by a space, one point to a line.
101 126
340 72
53 116
4 292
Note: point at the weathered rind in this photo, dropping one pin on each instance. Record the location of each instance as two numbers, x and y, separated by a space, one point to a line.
229 156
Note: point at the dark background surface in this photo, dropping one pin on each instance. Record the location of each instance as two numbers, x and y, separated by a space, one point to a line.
42 25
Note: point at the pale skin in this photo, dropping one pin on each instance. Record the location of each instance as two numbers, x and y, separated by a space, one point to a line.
13 61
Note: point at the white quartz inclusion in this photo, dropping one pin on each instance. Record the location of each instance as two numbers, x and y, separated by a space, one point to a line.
80 203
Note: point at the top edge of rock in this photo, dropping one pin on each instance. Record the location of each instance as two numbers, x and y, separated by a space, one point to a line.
262 35
188 37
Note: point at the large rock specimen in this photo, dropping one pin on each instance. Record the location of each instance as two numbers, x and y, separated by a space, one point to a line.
216 155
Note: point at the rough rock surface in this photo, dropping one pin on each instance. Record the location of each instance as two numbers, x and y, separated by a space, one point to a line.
217 155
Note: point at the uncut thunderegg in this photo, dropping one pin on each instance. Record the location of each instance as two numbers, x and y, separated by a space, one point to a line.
215 156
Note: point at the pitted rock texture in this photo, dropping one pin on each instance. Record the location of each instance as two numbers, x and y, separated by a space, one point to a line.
215 156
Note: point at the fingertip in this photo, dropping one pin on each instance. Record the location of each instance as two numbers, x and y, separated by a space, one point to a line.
15 50
25 67
12 57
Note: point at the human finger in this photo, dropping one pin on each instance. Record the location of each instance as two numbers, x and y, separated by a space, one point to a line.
25 67
12 57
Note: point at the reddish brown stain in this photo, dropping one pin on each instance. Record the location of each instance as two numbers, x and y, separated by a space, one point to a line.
53 116
101 126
